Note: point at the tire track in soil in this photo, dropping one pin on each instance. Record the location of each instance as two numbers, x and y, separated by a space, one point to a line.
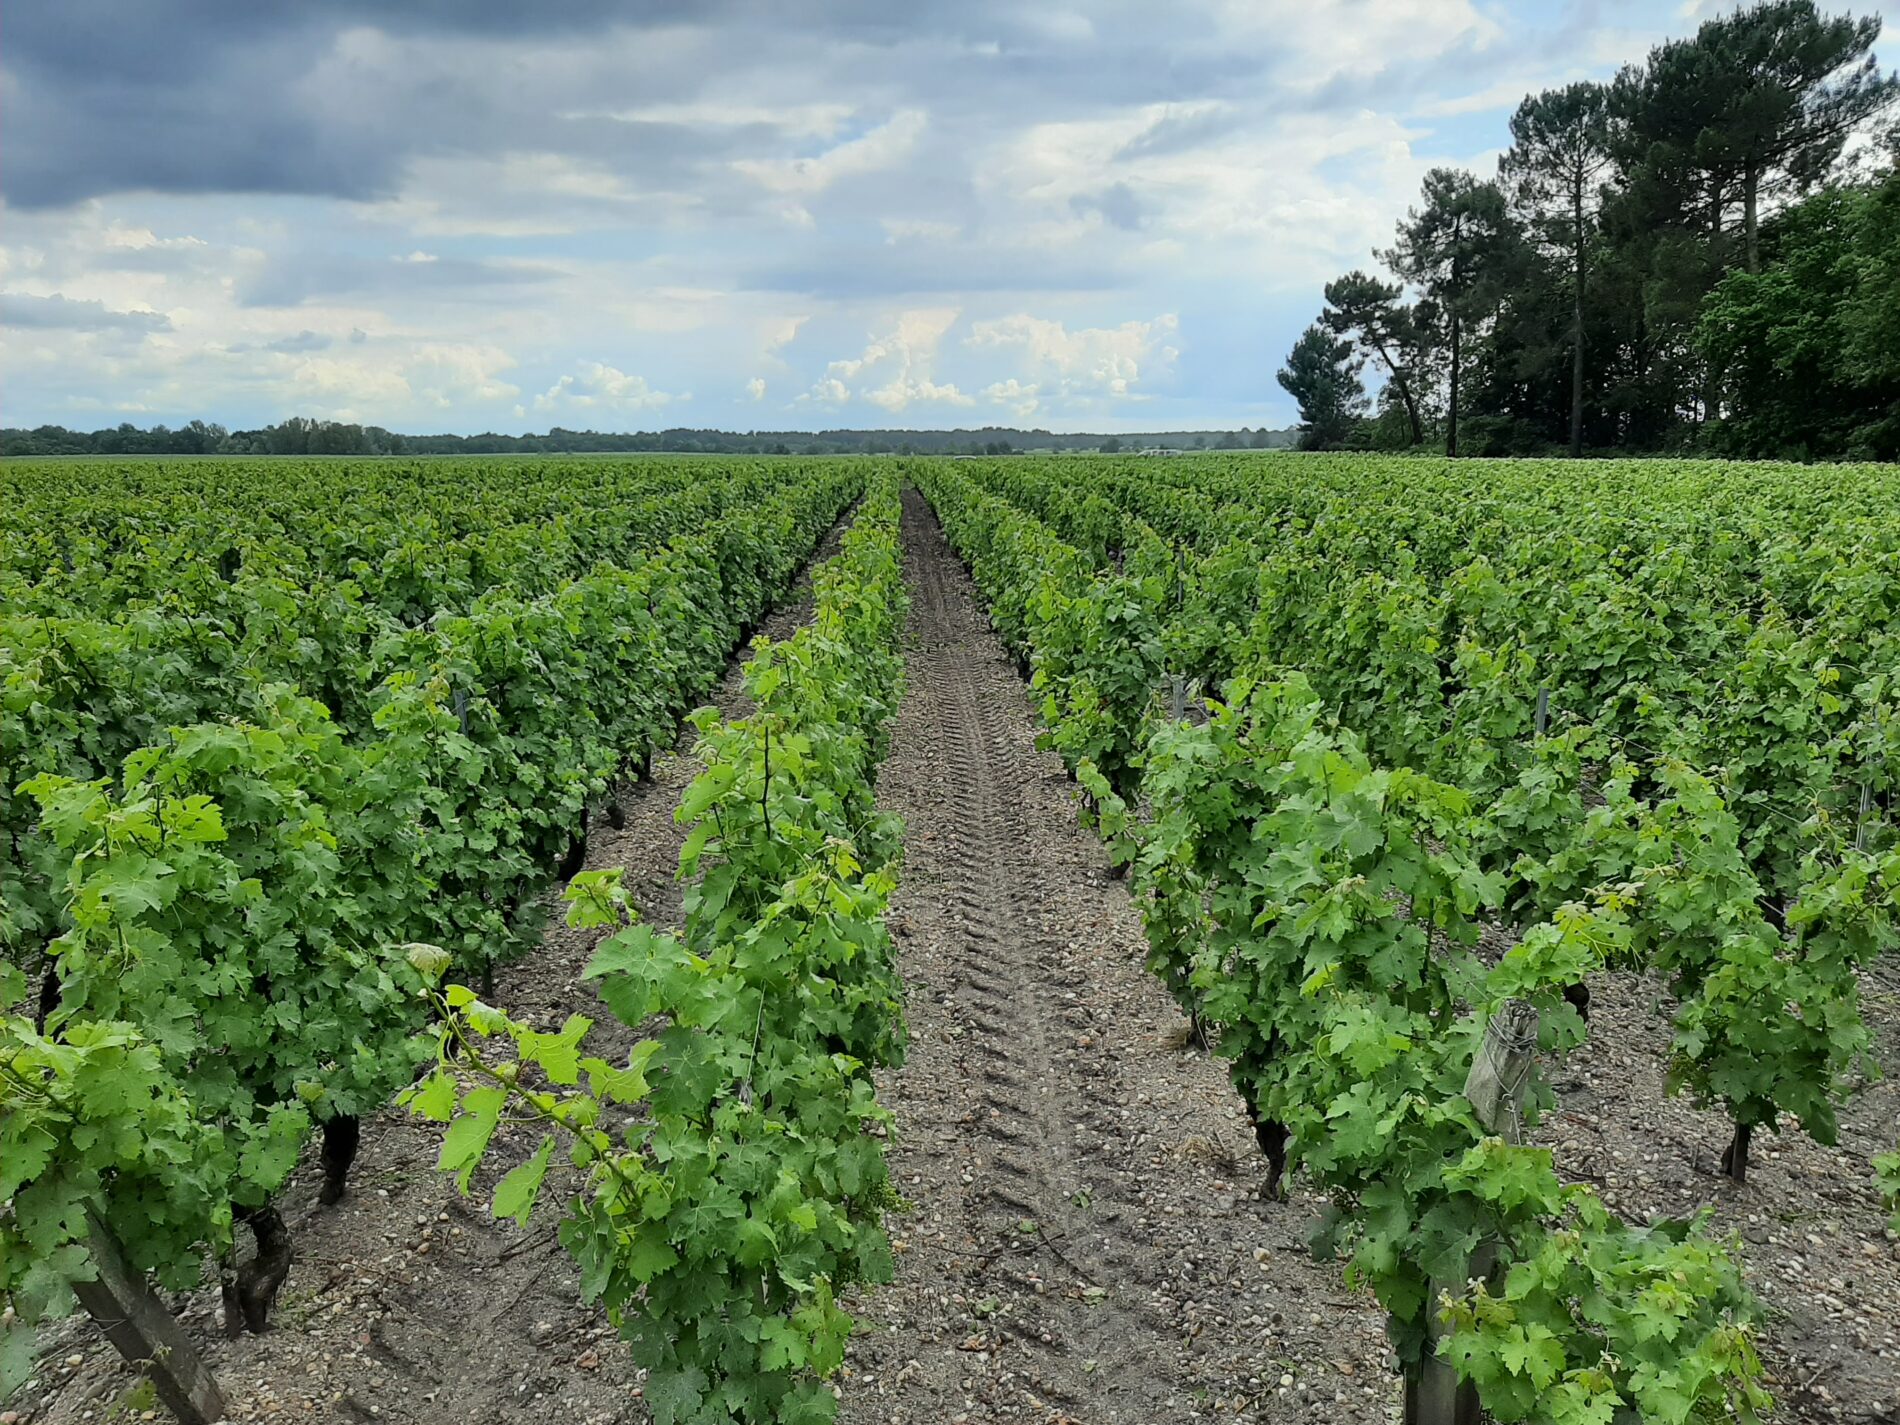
407 1302
1082 1242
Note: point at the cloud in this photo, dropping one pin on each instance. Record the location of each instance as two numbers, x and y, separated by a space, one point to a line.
1023 401
1116 203
897 230
870 152
903 362
755 389
245 211
1092 362
814 120
296 277
929 265
599 387
431 376
56 312
305 340
897 394
1173 128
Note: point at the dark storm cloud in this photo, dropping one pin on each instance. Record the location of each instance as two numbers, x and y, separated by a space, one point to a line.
18 309
204 96
242 96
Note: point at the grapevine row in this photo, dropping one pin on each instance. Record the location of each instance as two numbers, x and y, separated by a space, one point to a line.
1321 913
230 898
1563 709
746 1188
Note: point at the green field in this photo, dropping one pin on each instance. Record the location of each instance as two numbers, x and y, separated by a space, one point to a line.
295 753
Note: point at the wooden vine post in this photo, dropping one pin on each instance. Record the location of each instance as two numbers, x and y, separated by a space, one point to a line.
1495 1087
121 1301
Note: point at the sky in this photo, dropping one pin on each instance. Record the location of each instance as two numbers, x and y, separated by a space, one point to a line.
467 215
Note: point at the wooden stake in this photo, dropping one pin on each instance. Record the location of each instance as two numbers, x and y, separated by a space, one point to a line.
1501 1069
1495 1087
132 1317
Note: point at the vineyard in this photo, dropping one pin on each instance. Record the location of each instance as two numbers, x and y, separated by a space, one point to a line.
1419 943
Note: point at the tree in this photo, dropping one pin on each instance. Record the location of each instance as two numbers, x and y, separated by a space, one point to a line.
1322 374
1560 149
1870 319
1458 246
1810 344
1368 310
1796 84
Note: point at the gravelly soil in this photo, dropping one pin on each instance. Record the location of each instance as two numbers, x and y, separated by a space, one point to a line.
1083 1241
1815 1239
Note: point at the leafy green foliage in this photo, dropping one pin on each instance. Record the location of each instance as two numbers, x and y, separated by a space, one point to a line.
1887 1174
228 883
1730 630
95 1124
1319 914
732 1172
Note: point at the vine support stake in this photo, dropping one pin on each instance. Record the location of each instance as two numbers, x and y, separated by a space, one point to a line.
1495 1087
1501 1070
135 1321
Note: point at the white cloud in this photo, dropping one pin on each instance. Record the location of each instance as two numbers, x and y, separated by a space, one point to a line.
905 357
117 234
870 152
448 374
514 194
897 394
902 229
1091 362
341 388
602 387
778 333
817 120
1283 203
672 310
1023 401
1316 40
1505 94
429 376
951 233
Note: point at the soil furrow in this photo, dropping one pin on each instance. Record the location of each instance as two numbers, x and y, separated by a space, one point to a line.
1079 1245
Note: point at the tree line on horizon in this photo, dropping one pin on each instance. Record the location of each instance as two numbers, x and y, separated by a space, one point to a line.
1701 255
304 436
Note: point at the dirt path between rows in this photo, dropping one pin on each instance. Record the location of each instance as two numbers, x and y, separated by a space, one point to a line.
405 1302
1084 1242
